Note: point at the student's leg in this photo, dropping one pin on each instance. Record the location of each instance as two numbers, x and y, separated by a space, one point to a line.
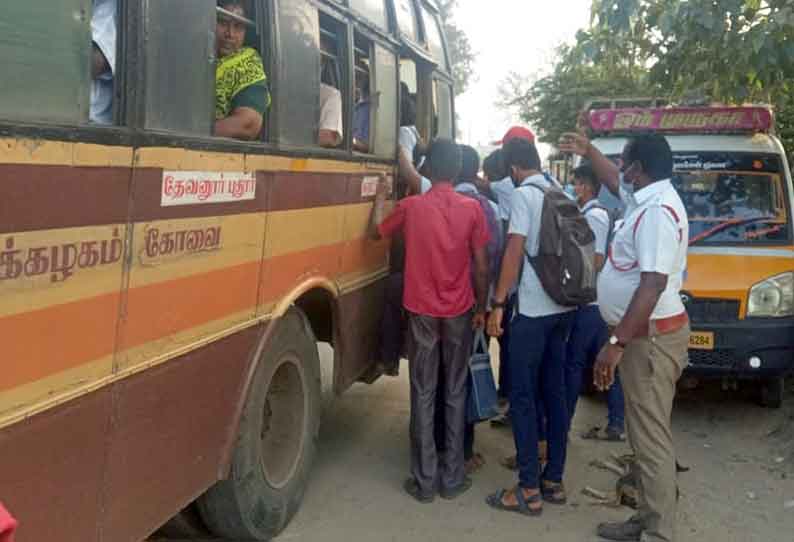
527 342
579 355
457 337
504 350
616 407
554 399
392 326
423 369
440 416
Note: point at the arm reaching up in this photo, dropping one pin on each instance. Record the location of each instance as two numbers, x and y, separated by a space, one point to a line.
606 171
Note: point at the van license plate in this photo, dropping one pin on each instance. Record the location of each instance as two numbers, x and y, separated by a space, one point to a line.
701 340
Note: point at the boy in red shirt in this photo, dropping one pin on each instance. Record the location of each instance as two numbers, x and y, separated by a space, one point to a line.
444 232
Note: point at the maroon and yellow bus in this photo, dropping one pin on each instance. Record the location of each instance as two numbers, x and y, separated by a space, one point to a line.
162 291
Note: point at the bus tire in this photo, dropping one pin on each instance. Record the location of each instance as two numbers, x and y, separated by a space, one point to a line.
772 390
277 439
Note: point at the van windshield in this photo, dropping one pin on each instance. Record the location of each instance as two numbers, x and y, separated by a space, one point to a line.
733 198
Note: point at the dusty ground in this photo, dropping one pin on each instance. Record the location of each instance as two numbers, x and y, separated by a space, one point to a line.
742 460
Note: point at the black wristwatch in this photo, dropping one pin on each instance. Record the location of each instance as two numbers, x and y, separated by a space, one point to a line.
498 304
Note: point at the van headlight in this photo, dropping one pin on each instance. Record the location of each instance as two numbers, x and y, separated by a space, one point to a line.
773 297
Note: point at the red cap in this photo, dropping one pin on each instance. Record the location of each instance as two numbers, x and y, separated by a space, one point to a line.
516 132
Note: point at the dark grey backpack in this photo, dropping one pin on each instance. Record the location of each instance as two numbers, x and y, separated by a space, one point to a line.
565 263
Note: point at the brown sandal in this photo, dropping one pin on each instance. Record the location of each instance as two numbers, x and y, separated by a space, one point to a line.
553 492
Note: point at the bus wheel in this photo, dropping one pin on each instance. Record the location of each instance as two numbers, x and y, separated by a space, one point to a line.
772 390
277 439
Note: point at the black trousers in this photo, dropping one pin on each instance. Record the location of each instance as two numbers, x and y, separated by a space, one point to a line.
392 325
439 346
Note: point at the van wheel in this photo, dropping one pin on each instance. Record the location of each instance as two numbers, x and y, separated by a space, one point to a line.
277 439
772 390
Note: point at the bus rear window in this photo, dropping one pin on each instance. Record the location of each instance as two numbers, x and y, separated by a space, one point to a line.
733 205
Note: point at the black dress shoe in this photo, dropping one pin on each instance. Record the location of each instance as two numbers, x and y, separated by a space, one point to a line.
627 531
456 492
412 488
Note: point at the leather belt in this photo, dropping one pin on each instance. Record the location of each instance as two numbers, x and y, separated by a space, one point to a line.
662 326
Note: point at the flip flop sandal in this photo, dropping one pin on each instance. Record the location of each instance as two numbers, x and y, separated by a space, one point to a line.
553 492
501 421
472 466
613 435
496 501
593 433
510 463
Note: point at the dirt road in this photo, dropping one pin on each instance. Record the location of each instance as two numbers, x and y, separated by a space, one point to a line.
740 488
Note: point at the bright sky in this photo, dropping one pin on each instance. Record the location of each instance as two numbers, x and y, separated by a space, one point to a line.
509 35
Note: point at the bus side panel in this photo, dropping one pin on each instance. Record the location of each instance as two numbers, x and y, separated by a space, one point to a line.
172 425
359 343
363 261
51 470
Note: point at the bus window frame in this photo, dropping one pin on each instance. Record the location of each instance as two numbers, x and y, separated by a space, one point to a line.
346 86
130 130
440 79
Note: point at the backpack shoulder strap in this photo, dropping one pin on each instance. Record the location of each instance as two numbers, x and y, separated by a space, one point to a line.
535 186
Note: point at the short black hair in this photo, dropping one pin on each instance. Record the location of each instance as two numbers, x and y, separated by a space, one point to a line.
494 166
470 164
587 176
522 154
444 159
653 152
226 4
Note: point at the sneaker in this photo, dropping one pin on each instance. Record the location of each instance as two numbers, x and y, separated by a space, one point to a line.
627 531
613 434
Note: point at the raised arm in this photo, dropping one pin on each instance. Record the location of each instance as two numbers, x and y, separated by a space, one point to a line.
408 173
607 172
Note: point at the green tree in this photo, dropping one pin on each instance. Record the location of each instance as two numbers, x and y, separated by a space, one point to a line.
460 51
552 103
731 51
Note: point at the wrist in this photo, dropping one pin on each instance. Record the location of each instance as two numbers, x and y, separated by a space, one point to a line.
615 342
496 304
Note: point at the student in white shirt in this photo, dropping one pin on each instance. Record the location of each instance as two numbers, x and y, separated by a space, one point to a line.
639 297
589 332
537 344
331 131
103 60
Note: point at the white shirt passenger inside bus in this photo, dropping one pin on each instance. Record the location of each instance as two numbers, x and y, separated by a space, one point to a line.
103 66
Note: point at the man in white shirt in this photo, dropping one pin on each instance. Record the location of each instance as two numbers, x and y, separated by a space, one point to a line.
330 133
589 333
639 297
103 60
537 344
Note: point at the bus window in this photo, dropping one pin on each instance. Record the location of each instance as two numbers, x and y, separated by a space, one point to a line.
299 73
242 94
386 103
180 72
433 35
362 112
104 32
372 10
332 82
45 54
444 115
405 11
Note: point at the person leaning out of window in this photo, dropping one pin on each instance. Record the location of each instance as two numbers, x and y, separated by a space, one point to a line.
241 92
